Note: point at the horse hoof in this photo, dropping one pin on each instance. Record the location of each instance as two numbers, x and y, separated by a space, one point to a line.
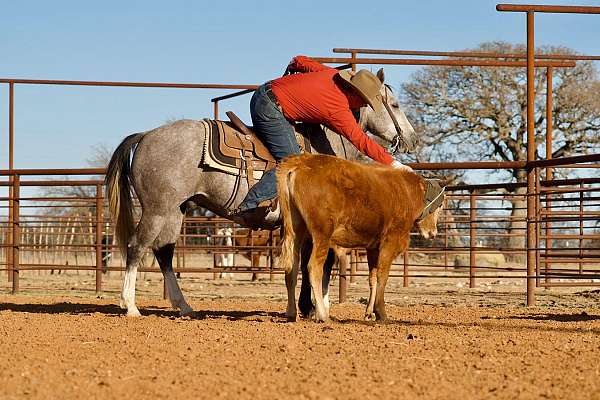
186 312
134 313
320 318
291 318
370 317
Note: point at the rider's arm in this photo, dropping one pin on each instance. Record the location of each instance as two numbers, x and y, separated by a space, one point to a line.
343 122
305 64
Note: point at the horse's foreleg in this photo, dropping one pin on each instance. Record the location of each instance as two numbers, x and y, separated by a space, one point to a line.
291 277
164 255
307 298
305 303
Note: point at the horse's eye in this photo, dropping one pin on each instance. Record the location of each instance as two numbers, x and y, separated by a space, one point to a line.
395 105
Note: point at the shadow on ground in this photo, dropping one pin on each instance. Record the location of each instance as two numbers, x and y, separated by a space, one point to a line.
114 310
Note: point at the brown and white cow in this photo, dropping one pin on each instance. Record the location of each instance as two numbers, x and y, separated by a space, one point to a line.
340 203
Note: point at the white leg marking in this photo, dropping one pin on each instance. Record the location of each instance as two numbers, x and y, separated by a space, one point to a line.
128 292
369 313
326 303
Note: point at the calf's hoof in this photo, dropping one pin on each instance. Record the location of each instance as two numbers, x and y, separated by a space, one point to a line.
370 317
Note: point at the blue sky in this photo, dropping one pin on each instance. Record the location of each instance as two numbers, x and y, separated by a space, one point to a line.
243 42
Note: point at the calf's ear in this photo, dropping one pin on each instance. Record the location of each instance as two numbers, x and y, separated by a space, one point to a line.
443 182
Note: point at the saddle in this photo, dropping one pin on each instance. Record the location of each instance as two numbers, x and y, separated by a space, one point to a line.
234 148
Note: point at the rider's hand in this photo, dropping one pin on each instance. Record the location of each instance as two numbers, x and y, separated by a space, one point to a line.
398 165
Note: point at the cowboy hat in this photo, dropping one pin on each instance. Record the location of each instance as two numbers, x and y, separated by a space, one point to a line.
367 85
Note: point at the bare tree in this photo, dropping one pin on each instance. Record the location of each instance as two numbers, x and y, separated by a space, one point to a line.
479 113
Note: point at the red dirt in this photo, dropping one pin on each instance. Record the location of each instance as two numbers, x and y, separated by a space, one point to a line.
439 343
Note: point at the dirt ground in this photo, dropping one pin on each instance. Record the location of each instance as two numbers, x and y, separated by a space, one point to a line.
60 340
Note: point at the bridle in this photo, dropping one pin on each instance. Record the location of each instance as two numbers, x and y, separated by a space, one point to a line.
397 141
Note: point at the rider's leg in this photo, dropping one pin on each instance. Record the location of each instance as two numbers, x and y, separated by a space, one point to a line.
278 136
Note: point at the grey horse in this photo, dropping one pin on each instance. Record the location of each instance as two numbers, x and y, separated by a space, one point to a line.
168 177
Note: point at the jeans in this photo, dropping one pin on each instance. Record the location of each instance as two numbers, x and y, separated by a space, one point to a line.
278 136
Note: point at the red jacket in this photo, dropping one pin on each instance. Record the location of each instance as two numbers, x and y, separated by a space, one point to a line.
318 95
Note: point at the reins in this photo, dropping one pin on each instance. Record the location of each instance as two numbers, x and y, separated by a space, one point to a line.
396 141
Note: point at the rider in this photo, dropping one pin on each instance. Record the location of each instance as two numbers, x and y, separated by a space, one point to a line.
309 92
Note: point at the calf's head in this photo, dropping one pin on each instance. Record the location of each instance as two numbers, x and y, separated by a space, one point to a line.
428 225
432 207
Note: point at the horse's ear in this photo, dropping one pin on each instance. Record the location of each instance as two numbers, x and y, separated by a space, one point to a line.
381 75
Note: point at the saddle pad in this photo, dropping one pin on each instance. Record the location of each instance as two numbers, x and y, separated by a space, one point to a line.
224 146
213 157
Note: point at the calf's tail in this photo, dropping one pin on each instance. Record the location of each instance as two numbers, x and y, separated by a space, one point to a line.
289 213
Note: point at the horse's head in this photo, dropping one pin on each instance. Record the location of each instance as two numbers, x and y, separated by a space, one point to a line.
401 137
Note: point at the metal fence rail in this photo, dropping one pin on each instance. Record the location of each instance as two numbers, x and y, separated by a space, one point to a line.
482 235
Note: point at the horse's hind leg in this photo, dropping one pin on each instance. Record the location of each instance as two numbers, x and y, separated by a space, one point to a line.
163 248
144 235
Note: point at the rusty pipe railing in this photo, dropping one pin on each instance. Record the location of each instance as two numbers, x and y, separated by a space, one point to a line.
471 54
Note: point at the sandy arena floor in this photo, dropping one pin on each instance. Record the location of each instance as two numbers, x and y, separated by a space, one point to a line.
443 341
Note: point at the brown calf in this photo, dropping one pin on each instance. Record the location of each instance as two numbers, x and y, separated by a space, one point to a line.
340 203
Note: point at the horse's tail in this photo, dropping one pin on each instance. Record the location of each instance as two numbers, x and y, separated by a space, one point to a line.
118 189
291 216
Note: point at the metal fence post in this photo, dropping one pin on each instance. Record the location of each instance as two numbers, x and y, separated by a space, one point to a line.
16 231
99 242
269 252
343 281
445 214
472 237
538 208
531 150
11 126
353 261
549 172
581 213
405 273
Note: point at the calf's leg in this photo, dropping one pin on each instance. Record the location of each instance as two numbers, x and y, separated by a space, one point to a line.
315 272
372 259
387 253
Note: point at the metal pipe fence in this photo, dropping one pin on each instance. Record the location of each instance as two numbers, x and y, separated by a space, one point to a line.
482 234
